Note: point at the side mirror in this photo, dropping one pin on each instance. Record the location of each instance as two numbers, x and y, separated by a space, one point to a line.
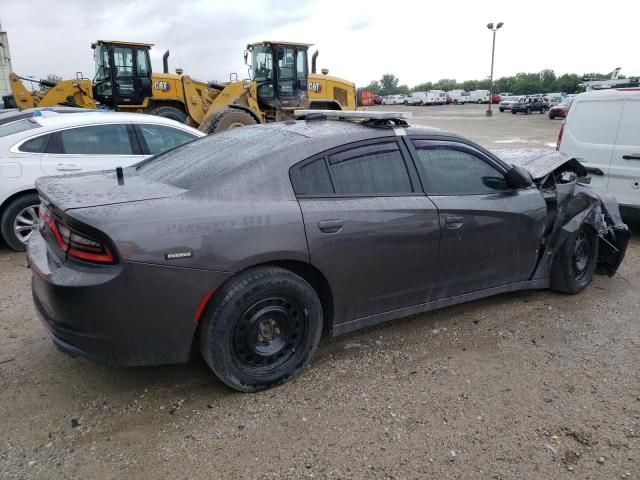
246 57
518 177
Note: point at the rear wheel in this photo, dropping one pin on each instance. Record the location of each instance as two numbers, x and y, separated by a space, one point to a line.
262 329
479 102
19 220
513 111
501 109
575 261
230 118
170 112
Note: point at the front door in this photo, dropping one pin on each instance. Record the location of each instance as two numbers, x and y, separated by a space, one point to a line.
490 232
370 228
624 174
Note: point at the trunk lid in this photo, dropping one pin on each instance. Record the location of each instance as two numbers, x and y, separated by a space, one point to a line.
100 188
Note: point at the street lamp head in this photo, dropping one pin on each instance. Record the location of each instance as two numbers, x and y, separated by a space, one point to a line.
490 26
500 24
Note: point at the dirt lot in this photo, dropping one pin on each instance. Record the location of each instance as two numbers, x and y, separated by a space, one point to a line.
526 385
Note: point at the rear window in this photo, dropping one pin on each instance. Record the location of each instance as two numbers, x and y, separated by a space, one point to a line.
204 159
595 122
18 126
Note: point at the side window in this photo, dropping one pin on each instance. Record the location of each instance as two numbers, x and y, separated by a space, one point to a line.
377 169
630 125
312 179
35 145
595 122
301 64
286 63
160 138
143 63
448 171
97 140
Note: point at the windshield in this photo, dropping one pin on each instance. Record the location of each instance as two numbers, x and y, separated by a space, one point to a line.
262 63
201 160
18 126
102 63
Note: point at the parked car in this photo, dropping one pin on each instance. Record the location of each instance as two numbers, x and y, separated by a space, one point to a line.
399 99
506 103
377 100
449 99
531 104
440 97
495 98
560 110
479 96
602 131
11 115
269 235
414 99
422 98
55 144
458 96
506 94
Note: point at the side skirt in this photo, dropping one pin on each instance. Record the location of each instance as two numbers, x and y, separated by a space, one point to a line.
352 325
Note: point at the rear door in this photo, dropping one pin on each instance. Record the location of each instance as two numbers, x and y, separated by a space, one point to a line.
370 228
624 174
490 233
89 148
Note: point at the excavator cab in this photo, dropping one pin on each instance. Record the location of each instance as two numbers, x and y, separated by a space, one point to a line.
123 72
280 71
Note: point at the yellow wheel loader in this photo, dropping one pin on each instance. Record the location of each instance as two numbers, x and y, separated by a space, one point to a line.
279 84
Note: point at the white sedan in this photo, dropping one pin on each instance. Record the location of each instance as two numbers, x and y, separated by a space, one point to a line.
50 143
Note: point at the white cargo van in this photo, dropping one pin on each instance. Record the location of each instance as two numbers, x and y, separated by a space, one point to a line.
440 97
602 131
458 96
479 96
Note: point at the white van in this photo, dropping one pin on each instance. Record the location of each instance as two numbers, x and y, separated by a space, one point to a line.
602 131
440 97
479 96
458 96
418 98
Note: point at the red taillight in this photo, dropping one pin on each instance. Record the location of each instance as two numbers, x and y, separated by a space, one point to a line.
560 137
75 244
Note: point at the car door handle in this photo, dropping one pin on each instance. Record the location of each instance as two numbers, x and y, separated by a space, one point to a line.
594 171
68 167
453 221
330 226
633 156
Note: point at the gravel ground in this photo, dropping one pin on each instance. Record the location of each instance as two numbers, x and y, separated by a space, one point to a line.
526 385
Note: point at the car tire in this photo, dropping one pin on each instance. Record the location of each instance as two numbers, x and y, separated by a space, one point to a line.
513 111
479 102
261 329
170 112
230 118
551 117
528 112
542 110
26 207
575 261
501 110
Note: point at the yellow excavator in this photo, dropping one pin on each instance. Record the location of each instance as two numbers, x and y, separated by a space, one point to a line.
279 84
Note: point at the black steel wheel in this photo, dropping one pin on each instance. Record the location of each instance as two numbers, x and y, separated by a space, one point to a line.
261 329
575 262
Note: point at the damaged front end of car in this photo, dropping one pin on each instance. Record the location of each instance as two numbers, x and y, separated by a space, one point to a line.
572 203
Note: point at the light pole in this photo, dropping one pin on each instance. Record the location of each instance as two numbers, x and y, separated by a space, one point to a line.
493 50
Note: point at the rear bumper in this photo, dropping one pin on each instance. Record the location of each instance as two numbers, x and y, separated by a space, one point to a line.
123 315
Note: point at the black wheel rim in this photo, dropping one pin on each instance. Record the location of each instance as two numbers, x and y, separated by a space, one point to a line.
582 257
268 334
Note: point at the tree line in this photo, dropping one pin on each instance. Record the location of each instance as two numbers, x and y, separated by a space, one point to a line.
545 81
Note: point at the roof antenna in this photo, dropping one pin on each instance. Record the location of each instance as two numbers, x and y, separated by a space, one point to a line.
120 175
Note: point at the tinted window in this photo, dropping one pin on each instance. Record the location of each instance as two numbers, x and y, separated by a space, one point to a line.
208 157
448 171
35 145
371 169
17 127
312 179
160 138
97 140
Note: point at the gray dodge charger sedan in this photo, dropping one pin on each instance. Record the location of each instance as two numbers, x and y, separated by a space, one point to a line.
251 244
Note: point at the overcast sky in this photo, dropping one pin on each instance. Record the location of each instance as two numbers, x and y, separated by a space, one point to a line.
417 41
